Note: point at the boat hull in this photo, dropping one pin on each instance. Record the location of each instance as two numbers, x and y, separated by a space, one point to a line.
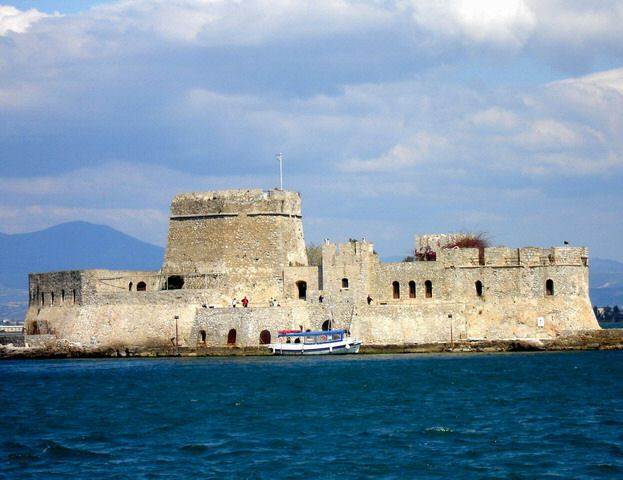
339 348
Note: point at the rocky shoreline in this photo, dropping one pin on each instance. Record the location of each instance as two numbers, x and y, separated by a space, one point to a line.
608 339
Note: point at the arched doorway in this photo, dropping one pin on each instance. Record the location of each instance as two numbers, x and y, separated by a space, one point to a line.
264 337
231 337
141 287
395 290
429 288
326 325
302 289
202 337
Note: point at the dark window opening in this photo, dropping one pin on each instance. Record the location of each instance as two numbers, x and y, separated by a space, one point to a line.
42 299
345 283
549 287
231 337
396 290
175 282
411 289
34 328
326 325
203 336
141 287
62 296
429 288
74 294
478 288
130 286
302 289
52 298
264 337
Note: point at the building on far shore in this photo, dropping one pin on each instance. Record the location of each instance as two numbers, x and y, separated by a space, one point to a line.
224 246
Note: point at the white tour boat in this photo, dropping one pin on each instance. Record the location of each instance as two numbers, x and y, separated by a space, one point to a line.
329 342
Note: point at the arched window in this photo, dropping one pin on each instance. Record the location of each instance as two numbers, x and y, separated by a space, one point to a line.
429 288
52 298
395 290
141 287
326 325
264 337
74 295
549 287
62 296
231 337
175 282
478 288
411 289
302 289
345 283
203 336
130 286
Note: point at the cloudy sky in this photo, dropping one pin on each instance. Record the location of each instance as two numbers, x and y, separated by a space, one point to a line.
395 117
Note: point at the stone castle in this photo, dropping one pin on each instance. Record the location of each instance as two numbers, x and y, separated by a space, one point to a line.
224 246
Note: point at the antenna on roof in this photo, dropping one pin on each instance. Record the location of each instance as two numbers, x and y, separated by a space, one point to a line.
280 158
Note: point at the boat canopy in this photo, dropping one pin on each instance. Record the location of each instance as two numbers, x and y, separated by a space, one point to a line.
298 333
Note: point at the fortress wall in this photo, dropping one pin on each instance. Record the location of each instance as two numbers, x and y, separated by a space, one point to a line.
226 230
55 288
458 256
245 237
292 276
349 270
250 322
501 256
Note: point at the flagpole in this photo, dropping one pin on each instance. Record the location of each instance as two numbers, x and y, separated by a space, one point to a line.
280 171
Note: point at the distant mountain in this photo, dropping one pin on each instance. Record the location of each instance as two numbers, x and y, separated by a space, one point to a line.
72 246
606 282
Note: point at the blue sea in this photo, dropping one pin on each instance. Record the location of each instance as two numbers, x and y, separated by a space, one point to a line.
497 416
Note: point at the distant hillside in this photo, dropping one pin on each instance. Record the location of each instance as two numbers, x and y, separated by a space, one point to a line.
72 246
606 282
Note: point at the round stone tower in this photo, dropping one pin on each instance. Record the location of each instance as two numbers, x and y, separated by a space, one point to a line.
243 237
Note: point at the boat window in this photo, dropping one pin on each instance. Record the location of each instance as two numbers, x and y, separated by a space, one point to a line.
264 337
336 336
310 339
396 290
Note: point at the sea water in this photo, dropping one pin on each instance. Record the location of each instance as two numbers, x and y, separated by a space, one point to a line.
506 416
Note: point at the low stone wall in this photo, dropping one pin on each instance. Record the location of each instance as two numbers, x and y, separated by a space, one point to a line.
12 338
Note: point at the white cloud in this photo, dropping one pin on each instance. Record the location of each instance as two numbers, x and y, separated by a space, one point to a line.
499 23
416 150
17 21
